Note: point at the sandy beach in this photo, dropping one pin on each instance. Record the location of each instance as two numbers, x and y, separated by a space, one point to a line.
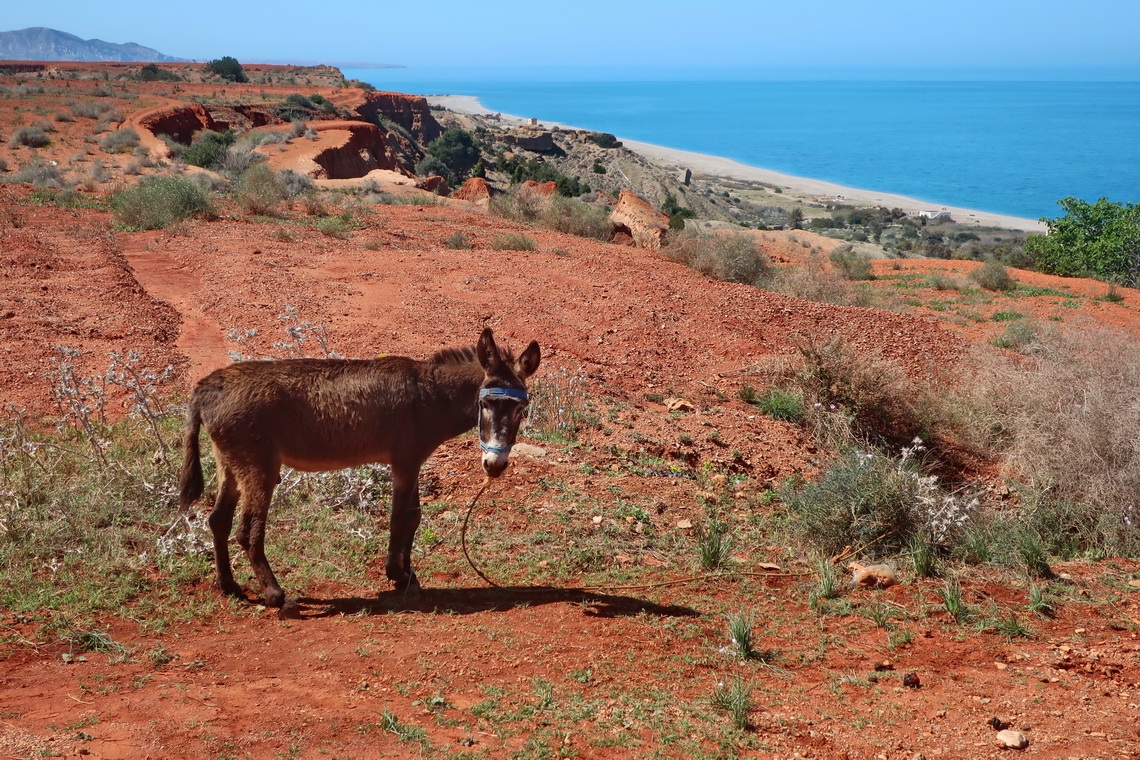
701 163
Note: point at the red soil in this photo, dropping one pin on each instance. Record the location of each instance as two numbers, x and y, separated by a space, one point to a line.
244 684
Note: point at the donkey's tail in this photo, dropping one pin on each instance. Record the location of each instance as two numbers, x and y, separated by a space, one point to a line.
191 484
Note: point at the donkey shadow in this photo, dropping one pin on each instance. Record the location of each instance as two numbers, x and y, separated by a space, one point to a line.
467 601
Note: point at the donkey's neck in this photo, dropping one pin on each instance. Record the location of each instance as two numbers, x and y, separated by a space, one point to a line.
456 390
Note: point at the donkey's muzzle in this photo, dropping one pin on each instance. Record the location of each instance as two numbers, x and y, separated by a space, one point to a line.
495 464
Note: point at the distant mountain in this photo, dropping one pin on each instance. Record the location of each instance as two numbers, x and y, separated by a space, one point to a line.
42 44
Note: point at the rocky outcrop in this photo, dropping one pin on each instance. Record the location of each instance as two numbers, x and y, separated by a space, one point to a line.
409 111
433 184
180 123
341 150
475 190
534 140
546 189
634 218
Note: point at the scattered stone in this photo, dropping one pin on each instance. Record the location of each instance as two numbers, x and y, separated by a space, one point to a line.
910 680
1012 739
997 724
872 576
678 405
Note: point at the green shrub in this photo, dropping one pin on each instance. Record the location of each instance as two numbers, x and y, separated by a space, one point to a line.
31 137
157 202
208 149
120 141
431 166
152 73
228 68
511 241
780 404
994 276
456 149
863 497
1099 239
457 242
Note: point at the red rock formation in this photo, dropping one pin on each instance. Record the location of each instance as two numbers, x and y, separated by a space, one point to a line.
180 123
635 217
475 190
546 188
433 184
409 111
342 150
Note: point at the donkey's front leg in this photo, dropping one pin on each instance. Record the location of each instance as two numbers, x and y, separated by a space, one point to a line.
405 521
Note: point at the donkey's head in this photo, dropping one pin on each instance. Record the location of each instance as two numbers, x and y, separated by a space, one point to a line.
502 399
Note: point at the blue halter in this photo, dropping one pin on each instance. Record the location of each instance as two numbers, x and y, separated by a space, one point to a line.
510 393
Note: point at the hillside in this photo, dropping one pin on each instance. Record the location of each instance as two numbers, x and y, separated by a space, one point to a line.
39 43
649 519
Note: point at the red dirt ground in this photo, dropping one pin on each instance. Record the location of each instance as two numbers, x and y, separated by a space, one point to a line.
244 684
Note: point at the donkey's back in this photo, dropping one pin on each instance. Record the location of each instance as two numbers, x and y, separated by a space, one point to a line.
310 414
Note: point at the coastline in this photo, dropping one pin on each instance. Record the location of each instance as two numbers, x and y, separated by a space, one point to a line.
700 163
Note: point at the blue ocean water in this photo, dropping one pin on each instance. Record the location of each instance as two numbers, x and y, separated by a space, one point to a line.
1009 147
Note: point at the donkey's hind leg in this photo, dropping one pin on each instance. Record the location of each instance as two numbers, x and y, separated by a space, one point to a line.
257 491
221 521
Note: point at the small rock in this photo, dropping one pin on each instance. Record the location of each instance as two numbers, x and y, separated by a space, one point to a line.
997 724
872 576
884 665
684 524
910 680
1134 583
1012 739
1000 665
678 405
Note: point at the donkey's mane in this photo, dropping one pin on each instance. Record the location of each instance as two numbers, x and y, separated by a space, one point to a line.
466 355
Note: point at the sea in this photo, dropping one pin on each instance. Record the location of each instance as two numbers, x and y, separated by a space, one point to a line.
1012 147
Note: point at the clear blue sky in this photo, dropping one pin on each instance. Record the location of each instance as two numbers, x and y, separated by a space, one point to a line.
900 35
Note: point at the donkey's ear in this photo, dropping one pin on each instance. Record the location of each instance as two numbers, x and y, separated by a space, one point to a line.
527 364
487 351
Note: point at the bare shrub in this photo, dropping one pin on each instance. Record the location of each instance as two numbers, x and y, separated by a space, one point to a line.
576 218
993 276
812 282
520 204
259 190
120 141
40 174
1064 422
853 396
728 256
31 137
850 264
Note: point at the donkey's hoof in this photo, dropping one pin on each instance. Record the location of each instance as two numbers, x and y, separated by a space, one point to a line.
274 597
409 587
290 610
230 587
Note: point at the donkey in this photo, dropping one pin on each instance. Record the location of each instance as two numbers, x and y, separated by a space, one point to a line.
326 414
